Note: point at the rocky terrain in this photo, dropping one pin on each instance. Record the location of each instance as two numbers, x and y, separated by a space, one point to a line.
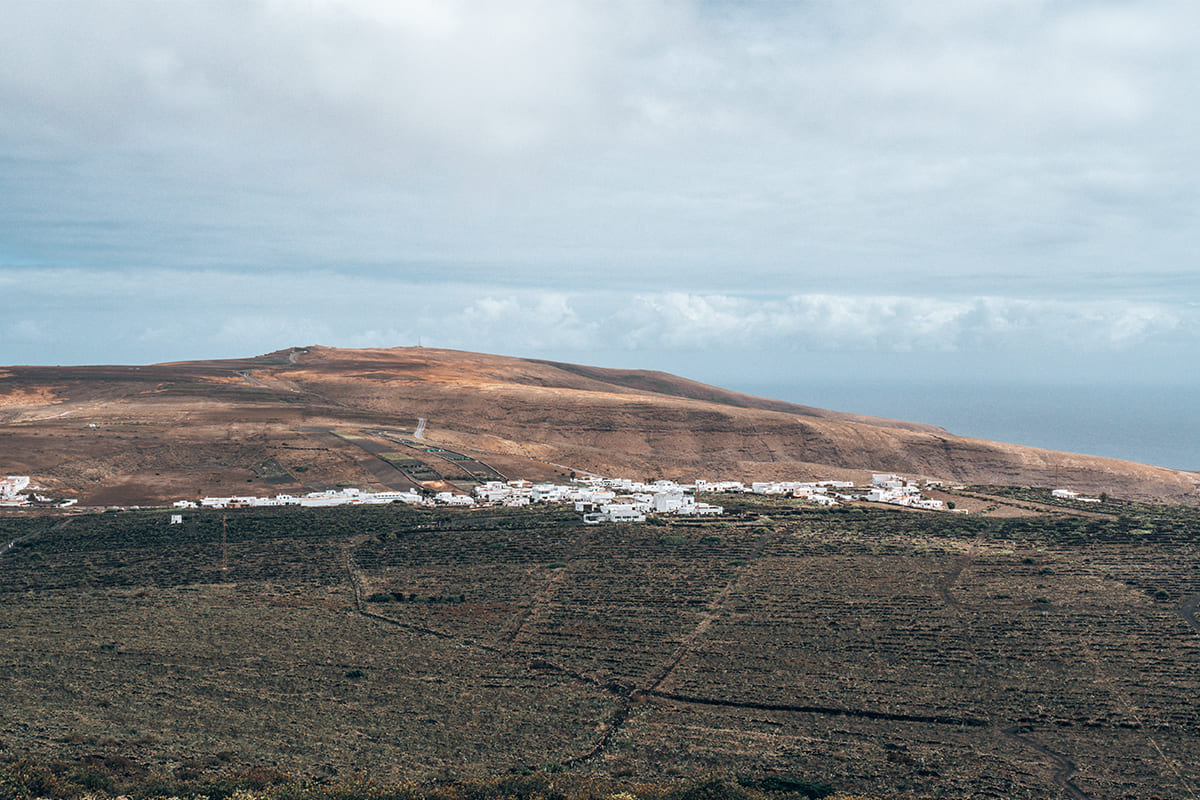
316 417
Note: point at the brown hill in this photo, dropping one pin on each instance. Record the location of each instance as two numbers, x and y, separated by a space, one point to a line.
315 416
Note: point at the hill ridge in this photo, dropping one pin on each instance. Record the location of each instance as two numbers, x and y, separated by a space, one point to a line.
178 428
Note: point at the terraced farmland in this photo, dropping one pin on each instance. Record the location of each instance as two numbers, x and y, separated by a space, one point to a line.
876 651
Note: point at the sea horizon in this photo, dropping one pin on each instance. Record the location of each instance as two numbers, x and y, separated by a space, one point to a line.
1149 424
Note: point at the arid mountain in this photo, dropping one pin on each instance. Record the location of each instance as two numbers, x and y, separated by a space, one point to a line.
317 416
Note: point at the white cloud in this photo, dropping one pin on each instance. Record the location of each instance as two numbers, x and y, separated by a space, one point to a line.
851 323
226 310
885 176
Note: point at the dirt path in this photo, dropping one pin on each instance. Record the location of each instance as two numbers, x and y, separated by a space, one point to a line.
947 583
30 537
1063 768
358 584
660 675
626 697
1188 611
246 376
714 610
652 688
621 693
544 594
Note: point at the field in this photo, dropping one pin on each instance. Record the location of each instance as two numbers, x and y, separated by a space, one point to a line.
871 650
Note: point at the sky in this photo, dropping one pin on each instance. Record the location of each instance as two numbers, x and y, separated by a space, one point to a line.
788 195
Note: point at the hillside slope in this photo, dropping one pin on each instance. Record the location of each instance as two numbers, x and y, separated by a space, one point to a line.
182 429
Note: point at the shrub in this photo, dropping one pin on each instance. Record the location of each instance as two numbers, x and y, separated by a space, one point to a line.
806 788
711 789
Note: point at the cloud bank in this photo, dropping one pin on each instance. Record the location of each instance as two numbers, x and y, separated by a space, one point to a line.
691 138
629 181
223 313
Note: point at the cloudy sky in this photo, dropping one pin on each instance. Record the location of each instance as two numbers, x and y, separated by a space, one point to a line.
744 192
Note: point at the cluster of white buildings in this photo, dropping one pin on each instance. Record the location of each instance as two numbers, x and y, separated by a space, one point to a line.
605 499
1068 494
602 499
340 497
18 490
901 492
12 489
598 499
824 493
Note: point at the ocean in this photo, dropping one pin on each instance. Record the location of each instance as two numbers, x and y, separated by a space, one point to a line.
1151 424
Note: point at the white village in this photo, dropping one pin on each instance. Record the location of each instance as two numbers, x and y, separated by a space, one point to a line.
597 498
601 499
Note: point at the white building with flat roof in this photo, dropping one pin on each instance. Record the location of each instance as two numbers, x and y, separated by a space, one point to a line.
13 485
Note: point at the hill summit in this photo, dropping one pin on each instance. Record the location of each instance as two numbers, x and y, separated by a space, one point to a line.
319 416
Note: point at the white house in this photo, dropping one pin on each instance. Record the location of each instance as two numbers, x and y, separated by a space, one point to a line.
620 512
494 491
701 510
548 493
13 485
720 486
672 502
